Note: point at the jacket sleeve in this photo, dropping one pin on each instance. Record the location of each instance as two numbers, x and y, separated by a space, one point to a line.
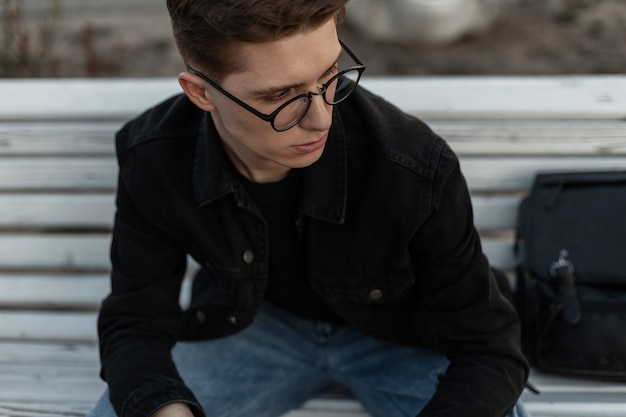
467 315
138 321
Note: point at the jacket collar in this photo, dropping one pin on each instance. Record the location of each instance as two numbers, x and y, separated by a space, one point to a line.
325 182
212 172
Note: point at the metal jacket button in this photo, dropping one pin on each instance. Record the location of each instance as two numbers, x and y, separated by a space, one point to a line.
200 316
376 294
248 256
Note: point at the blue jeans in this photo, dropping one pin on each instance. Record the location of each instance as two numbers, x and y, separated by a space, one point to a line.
282 360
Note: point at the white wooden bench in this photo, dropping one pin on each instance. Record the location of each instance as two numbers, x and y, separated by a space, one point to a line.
57 183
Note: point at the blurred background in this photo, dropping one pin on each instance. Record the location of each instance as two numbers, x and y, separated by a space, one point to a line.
131 38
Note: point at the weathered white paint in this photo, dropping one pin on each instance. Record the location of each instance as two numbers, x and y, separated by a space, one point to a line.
57 185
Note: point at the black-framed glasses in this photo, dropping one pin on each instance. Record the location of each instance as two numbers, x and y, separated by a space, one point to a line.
289 114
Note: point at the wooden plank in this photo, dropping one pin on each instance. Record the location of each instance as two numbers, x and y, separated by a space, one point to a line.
59 354
557 384
73 408
574 396
576 409
315 408
78 408
85 173
52 377
63 373
39 364
500 253
540 138
572 97
558 395
48 326
65 364
58 384
506 173
80 99
79 252
329 408
495 212
53 291
11 373
62 252
488 174
62 138
57 210
545 97
74 211
466 137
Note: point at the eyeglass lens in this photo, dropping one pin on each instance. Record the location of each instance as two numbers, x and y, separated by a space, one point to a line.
336 91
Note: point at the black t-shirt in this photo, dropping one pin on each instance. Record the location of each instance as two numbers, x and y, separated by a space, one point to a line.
288 285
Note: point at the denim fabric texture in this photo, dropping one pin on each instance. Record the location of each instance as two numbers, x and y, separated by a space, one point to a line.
282 360
386 218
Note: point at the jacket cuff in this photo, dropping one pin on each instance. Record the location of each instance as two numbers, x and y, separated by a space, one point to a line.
148 398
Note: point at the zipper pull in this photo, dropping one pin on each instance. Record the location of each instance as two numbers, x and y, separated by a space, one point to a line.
562 271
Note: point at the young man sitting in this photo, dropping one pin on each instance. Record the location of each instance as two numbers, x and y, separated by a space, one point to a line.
333 234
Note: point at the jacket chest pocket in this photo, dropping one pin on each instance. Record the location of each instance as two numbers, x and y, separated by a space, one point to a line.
377 287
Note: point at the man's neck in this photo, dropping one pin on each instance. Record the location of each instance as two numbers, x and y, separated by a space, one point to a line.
269 174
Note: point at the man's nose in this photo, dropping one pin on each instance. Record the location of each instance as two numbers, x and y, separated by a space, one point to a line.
319 116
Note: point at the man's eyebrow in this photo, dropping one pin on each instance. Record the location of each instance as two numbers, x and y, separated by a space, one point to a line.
273 90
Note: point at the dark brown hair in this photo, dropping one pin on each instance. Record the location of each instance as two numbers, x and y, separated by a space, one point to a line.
207 31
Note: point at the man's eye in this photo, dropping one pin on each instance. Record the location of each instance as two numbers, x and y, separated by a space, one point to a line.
332 71
276 97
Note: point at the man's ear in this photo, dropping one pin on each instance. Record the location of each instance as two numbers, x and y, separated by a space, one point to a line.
195 89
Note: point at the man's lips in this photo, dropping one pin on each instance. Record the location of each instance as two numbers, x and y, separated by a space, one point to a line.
311 146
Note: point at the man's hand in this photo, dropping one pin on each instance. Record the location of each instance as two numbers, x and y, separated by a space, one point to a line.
173 410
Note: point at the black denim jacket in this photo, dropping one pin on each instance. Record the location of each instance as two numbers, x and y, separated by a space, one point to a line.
391 248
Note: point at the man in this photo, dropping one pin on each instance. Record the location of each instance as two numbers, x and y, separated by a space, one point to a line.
333 235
